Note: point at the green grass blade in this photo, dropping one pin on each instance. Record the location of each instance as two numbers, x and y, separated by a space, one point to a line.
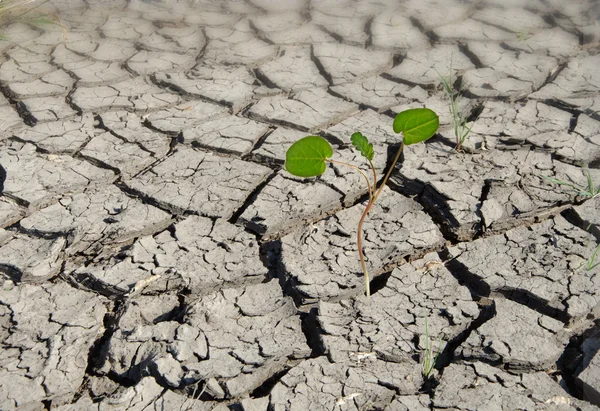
590 262
563 183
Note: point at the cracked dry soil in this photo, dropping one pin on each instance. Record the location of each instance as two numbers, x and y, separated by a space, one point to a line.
154 254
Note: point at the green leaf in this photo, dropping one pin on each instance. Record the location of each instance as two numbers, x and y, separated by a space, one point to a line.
361 143
417 124
306 157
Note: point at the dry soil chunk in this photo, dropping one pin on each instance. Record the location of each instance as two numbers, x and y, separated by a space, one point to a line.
198 254
228 134
543 262
587 216
174 39
394 30
589 377
91 221
233 86
275 145
9 212
480 386
112 151
249 333
293 70
410 403
26 70
578 81
8 119
391 327
517 19
126 27
452 186
352 30
200 182
470 29
31 259
307 34
55 83
278 7
504 125
129 127
285 203
237 45
133 94
379 93
307 110
518 338
186 115
321 261
553 41
46 336
505 73
47 109
150 62
66 136
424 67
317 384
97 73
107 49
269 22
37 179
147 394
344 63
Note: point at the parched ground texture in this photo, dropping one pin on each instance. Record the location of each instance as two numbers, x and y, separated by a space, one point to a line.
155 255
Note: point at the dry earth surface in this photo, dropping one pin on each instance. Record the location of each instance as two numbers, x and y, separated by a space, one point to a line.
155 255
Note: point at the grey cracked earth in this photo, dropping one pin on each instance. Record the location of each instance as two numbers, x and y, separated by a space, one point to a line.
155 255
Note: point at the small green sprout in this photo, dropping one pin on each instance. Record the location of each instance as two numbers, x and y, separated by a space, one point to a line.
459 117
308 156
589 192
429 357
591 261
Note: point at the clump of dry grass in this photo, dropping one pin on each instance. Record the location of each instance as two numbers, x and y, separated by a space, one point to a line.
25 11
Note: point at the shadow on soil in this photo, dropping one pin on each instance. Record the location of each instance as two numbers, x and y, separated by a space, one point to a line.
2 179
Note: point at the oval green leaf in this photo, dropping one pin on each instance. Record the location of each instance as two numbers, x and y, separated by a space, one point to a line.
416 124
306 157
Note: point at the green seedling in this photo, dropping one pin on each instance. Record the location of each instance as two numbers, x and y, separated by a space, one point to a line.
429 357
589 192
459 117
308 157
591 261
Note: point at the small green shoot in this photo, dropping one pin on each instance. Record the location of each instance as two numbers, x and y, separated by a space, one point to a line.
459 117
588 192
523 35
308 156
429 358
591 261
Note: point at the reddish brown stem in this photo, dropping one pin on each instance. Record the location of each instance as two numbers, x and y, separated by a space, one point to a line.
372 200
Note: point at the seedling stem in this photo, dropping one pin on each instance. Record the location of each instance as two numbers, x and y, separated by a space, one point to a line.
308 156
341 163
